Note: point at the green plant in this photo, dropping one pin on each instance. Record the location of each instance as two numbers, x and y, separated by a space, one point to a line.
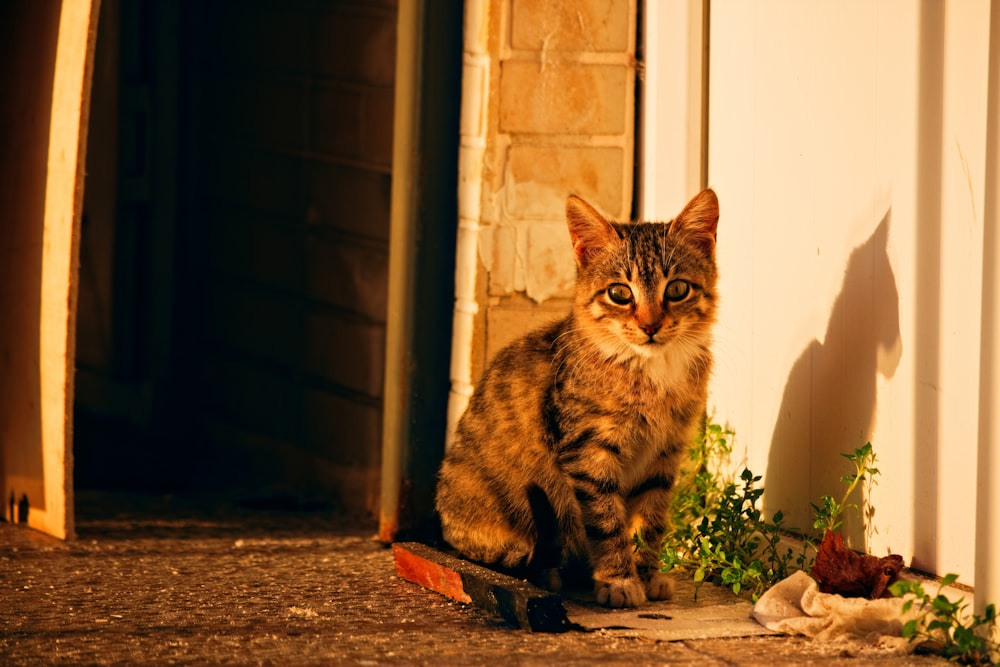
720 534
945 627
828 510
719 531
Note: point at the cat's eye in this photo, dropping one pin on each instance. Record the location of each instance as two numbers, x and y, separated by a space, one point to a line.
620 294
677 290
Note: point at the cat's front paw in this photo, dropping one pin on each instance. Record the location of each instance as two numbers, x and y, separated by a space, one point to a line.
660 586
620 593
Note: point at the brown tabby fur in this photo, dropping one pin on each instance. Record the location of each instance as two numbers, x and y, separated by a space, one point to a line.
572 440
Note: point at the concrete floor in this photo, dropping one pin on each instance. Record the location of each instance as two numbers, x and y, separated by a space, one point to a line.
168 580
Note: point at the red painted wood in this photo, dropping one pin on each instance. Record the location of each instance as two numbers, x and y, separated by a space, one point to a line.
428 573
515 600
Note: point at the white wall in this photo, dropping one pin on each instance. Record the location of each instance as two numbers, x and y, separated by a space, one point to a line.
671 107
847 146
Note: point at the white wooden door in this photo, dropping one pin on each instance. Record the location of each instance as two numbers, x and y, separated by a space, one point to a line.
47 50
847 143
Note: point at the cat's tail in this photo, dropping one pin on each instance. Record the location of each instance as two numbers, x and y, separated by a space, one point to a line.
551 566
548 546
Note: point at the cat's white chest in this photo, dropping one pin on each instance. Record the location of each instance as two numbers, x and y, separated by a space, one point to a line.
667 372
661 380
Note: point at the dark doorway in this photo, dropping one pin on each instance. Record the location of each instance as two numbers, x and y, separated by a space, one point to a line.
234 251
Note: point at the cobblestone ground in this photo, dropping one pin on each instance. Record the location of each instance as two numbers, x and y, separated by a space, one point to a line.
171 581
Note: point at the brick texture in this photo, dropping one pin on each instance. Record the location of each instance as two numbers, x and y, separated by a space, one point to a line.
569 98
561 122
592 172
509 320
583 25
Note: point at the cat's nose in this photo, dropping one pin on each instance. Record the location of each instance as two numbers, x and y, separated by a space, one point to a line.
650 328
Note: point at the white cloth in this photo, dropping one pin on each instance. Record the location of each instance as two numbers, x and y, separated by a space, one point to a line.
796 606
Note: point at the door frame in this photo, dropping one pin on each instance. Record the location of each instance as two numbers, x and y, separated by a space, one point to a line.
53 52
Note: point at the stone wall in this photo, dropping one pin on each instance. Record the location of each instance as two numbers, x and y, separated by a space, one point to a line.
561 121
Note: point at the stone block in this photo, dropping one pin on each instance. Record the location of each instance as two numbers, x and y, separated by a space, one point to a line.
564 98
505 324
550 263
584 25
541 177
504 258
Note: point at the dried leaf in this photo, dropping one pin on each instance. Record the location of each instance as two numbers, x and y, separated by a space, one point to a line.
843 571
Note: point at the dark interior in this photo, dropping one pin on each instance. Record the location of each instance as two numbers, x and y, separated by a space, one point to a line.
234 251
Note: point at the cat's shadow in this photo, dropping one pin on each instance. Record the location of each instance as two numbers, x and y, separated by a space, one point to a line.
830 399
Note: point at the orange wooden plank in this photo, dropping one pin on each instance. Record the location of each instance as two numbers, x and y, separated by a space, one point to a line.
428 573
515 600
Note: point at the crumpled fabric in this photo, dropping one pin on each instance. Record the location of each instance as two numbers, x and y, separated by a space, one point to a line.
795 606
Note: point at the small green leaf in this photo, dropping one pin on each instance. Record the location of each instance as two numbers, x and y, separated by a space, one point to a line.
966 636
943 604
938 625
899 588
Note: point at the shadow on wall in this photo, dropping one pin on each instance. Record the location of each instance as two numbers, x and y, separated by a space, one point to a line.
829 403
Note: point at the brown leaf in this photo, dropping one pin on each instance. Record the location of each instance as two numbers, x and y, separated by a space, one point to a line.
843 571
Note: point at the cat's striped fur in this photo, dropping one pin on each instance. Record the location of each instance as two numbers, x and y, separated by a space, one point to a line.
574 435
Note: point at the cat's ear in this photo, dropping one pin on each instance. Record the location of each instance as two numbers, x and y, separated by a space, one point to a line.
699 220
590 232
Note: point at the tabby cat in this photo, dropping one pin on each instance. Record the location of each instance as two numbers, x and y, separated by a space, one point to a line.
572 440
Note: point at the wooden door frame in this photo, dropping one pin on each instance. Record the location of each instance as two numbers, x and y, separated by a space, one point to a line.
51 47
